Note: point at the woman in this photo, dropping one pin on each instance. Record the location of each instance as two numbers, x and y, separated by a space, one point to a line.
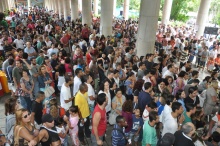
27 86
48 66
179 82
117 102
60 76
129 84
104 88
210 103
136 90
24 132
127 110
170 84
44 79
180 96
198 118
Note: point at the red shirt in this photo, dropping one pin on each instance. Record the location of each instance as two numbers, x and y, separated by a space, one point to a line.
103 121
88 58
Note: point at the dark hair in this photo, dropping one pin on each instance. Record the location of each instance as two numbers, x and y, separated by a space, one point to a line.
82 87
67 60
74 109
141 63
101 98
11 61
10 106
147 85
146 72
101 87
25 55
119 118
152 105
176 106
153 71
189 106
188 69
169 66
194 72
178 94
39 94
192 89
153 116
138 85
196 81
61 70
127 106
182 74
32 58
116 90
169 99
77 71
67 79
59 121
85 78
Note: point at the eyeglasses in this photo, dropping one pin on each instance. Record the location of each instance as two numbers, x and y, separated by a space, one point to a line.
27 115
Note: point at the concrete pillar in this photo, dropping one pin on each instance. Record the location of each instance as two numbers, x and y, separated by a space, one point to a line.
126 9
166 11
106 17
29 4
95 6
114 7
56 6
6 4
66 7
80 5
74 9
60 9
1 6
202 17
149 13
86 12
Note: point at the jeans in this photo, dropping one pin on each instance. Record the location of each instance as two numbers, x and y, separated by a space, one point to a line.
93 139
23 102
84 127
29 103
36 89
65 142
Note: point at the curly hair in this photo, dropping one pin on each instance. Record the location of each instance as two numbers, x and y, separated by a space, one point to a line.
138 85
128 106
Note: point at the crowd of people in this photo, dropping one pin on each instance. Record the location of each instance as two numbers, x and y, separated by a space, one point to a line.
68 81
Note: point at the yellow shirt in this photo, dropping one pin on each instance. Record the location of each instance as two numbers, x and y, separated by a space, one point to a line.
82 103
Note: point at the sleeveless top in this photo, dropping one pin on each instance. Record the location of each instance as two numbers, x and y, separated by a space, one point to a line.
22 141
53 137
103 121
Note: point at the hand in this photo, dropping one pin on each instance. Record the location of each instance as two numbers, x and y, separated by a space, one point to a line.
181 119
82 121
32 143
99 142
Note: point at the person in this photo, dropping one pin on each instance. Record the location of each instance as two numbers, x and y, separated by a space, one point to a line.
167 108
30 50
48 134
184 136
74 119
144 97
149 132
171 124
190 111
118 136
180 96
27 86
24 131
65 94
99 120
104 88
37 110
62 131
77 80
9 70
167 140
152 106
82 103
192 97
127 110
137 123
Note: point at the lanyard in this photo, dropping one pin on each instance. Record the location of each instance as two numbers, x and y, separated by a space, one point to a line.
50 129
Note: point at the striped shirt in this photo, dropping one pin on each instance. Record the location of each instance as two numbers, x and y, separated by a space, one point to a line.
117 137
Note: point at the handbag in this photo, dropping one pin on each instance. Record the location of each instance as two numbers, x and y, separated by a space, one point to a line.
19 92
49 90
112 118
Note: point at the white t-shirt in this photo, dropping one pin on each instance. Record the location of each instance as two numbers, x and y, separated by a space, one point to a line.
170 125
19 43
48 29
167 110
52 50
65 95
49 43
167 73
61 130
215 118
77 83
108 106
145 115
1 43
91 92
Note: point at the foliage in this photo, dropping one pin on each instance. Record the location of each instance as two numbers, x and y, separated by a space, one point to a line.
134 4
215 11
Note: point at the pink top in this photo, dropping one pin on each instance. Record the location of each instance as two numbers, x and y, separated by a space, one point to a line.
68 69
74 121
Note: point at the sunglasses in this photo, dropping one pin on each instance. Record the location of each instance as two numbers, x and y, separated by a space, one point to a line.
27 115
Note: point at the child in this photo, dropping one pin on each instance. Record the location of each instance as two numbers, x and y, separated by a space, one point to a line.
73 119
62 132
137 124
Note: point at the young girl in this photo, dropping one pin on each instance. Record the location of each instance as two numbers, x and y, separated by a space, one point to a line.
62 131
73 119
180 96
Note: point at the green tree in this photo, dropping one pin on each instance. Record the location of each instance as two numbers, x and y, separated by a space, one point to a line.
214 11
134 4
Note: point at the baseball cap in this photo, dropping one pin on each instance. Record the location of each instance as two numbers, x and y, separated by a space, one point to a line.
167 140
47 118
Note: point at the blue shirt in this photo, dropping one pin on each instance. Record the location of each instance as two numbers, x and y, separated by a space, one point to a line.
182 102
117 137
137 123
160 107
144 99
129 90
42 79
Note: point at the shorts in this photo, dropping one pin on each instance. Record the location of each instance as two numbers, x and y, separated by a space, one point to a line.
132 135
202 63
11 87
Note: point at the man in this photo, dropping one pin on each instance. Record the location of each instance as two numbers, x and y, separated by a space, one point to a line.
149 62
99 120
194 83
65 41
147 75
37 110
118 136
109 49
184 136
144 97
82 103
54 62
190 110
129 53
169 72
85 33
171 124
65 94
48 134
112 84
30 50
8 48
6 62
40 58
34 74
142 68
20 53
195 75
53 49
150 107
19 43
9 70
48 28
192 97
149 132
77 80
91 92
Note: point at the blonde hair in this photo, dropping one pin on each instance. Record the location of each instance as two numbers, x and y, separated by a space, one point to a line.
54 111
214 84
18 115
